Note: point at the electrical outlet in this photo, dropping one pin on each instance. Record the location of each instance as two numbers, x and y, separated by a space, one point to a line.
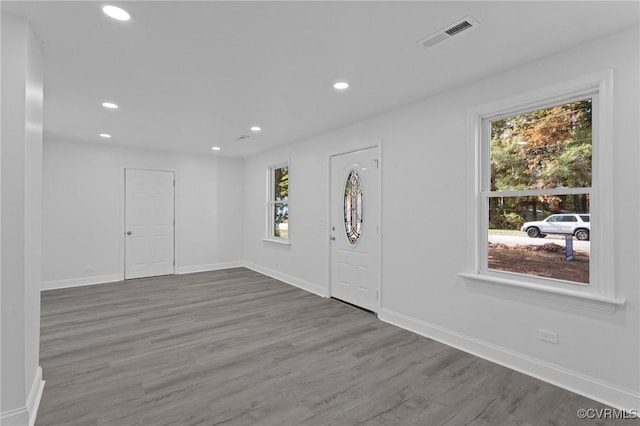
548 336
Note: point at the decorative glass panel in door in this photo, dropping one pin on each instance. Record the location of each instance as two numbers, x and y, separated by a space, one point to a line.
353 207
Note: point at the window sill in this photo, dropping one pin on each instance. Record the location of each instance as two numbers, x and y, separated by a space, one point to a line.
281 241
582 299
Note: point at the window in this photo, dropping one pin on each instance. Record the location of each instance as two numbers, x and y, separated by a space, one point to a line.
539 160
543 167
278 204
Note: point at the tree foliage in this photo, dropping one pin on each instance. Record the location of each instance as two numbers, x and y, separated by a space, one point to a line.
281 197
542 149
281 178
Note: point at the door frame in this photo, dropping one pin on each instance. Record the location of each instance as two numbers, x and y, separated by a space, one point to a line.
123 215
378 270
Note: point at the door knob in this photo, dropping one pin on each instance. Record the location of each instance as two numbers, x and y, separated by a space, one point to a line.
129 232
332 238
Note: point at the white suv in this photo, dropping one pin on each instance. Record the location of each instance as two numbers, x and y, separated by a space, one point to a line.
567 224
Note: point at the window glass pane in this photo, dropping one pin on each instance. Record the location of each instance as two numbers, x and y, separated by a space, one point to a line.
281 220
535 245
278 202
353 207
547 148
281 183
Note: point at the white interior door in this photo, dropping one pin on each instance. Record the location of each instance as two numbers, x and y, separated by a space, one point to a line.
149 223
355 227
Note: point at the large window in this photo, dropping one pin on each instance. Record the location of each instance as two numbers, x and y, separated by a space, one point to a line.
542 193
538 191
278 204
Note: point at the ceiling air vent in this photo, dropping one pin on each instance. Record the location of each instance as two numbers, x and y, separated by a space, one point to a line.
449 31
458 27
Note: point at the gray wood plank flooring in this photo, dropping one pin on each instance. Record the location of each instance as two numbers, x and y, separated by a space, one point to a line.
235 347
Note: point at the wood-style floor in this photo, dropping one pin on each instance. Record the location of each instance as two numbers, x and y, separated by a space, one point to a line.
235 347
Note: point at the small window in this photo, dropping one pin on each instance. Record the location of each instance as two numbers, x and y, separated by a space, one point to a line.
585 218
278 205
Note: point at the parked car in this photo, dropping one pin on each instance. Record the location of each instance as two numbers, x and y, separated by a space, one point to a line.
577 225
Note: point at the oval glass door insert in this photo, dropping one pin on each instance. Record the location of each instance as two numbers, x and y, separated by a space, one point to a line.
353 207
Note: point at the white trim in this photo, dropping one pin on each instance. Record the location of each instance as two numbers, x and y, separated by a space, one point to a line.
78 282
104 279
279 164
271 202
350 151
288 279
181 270
276 240
16 417
533 192
591 387
602 279
380 227
602 248
563 92
111 278
377 146
27 414
35 395
593 301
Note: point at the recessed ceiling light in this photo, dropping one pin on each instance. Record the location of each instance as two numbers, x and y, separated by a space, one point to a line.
110 105
116 13
341 85
215 148
256 128
105 135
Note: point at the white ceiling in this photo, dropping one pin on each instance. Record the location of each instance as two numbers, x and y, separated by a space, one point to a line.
191 75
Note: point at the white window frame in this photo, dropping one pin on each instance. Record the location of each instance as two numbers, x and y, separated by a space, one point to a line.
601 287
270 236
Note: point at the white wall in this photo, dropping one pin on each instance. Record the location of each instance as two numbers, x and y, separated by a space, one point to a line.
424 169
21 222
83 210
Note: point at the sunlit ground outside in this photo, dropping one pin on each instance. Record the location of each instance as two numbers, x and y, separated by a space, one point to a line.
510 251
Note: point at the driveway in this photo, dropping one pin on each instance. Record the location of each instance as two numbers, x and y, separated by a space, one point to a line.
513 240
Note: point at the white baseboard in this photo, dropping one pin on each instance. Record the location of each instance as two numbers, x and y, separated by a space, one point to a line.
26 415
291 280
207 267
590 387
103 279
35 394
78 282
17 417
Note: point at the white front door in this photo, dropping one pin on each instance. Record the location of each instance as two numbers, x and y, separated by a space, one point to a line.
355 227
149 223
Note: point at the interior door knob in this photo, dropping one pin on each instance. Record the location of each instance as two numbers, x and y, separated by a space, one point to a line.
332 238
129 232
